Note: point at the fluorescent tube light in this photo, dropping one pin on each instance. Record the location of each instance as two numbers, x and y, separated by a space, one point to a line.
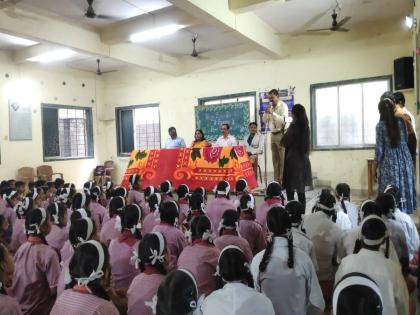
54 55
17 40
154 33
409 21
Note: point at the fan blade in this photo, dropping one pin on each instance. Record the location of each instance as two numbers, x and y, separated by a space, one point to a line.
105 17
319 30
340 29
344 21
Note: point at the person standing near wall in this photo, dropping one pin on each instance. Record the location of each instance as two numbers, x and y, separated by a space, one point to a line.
275 116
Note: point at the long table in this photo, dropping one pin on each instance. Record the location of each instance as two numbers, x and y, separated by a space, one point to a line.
192 166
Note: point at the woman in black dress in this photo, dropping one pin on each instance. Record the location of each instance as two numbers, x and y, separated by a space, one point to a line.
297 167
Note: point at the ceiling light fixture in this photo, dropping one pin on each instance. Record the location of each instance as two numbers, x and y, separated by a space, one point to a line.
409 21
54 55
17 40
155 33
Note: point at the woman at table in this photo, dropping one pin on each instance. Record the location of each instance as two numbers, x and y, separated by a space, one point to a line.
392 156
199 140
297 167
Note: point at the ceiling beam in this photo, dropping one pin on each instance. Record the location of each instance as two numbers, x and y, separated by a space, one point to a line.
247 26
18 22
242 6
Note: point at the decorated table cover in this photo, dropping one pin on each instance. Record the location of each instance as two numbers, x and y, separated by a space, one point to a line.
195 167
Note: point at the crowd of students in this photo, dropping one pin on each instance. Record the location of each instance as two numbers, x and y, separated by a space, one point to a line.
111 250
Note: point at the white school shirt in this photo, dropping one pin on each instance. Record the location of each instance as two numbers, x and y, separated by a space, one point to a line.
175 143
397 236
410 230
352 212
293 291
343 220
236 298
257 144
326 237
385 273
229 141
348 242
302 241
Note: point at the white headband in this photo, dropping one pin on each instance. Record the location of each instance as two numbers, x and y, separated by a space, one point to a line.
220 256
134 179
138 225
246 184
322 207
82 204
83 213
152 190
192 278
35 194
176 205
368 241
250 204
34 228
98 273
389 100
11 195
56 216
158 256
88 232
350 281
226 191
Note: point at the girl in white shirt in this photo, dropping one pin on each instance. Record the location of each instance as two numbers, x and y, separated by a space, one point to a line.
342 193
285 273
237 296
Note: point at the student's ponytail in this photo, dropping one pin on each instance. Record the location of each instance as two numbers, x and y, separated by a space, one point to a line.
291 259
343 192
267 255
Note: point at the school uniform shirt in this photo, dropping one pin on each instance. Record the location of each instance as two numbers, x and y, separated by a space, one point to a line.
226 240
3 205
175 239
397 236
385 273
18 235
136 197
98 213
254 234
201 259
184 207
57 237
9 214
141 291
291 290
9 306
410 230
120 252
62 279
352 212
109 232
229 141
167 198
149 223
236 298
178 142
67 251
82 303
326 237
262 209
37 270
302 241
343 220
216 208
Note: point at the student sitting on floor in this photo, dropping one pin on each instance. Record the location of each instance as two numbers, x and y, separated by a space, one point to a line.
108 231
220 203
166 191
18 235
8 305
153 218
59 234
342 193
135 195
97 210
183 193
273 198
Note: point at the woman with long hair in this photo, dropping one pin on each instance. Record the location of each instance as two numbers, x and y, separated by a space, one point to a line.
297 167
199 140
392 156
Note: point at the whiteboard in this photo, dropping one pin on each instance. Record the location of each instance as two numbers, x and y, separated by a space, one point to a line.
20 121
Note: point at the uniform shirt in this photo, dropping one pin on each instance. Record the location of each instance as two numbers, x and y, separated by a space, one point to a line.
62 279
149 223
37 270
385 273
9 214
254 234
262 210
226 240
326 237
352 212
184 207
18 235
201 259
216 208
276 120
141 291
229 141
175 143
410 230
67 251
236 298
72 302
136 197
109 232
343 220
98 213
397 236
175 239
303 242
57 237
257 144
291 290
120 252
9 306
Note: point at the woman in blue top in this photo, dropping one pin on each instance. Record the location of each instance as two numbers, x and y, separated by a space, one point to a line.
392 155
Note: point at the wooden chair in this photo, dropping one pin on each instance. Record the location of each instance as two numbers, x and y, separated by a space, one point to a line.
103 173
26 174
45 172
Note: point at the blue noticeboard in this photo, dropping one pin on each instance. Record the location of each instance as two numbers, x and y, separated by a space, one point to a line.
209 118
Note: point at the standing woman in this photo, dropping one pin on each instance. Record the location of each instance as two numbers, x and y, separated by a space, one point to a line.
392 156
297 167
199 140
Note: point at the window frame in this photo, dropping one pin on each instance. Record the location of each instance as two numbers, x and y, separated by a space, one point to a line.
117 125
203 100
314 87
89 132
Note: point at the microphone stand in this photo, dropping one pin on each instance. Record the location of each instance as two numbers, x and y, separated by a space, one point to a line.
265 154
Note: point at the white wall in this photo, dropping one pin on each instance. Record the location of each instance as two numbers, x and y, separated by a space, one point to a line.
44 85
365 52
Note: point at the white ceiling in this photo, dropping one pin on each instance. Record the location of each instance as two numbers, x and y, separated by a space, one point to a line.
8 42
297 15
116 10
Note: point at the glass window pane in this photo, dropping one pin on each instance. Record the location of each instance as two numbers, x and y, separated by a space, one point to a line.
326 116
351 123
372 91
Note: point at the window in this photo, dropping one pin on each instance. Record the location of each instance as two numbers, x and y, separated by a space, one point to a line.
138 127
67 132
345 114
233 98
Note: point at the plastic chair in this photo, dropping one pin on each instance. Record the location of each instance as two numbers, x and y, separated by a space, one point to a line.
45 172
26 174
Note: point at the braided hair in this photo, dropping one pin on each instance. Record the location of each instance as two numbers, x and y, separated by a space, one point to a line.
149 244
326 203
279 224
247 205
131 218
342 191
233 267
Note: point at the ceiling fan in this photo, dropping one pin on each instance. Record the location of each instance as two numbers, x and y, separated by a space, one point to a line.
335 26
98 69
91 14
194 53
